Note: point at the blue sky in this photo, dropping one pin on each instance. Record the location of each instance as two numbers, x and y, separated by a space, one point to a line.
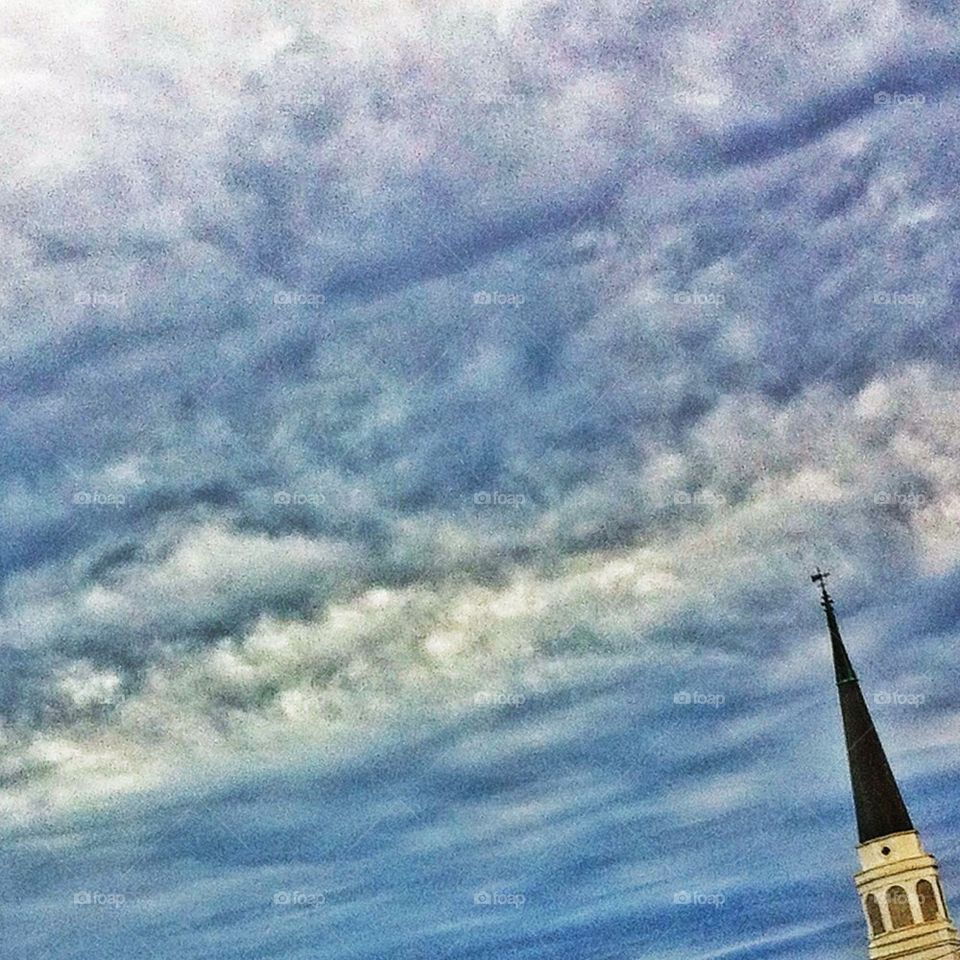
419 424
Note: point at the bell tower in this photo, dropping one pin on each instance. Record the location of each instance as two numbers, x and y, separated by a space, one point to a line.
898 883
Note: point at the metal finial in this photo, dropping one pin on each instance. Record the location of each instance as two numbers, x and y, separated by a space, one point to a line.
820 577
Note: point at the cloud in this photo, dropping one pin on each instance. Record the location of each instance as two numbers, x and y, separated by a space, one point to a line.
370 373
744 504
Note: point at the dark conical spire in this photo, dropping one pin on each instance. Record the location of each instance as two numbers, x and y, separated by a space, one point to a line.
876 796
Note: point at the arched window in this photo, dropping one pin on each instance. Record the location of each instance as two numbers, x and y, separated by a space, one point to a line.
899 906
874 916
928 900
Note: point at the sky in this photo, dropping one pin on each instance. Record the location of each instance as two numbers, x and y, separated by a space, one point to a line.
419 422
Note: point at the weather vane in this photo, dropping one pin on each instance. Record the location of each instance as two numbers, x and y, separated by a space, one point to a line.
820 577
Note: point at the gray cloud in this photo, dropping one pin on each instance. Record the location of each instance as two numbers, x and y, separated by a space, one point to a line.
353 372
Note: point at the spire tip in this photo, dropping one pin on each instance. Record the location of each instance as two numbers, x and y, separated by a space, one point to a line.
820 577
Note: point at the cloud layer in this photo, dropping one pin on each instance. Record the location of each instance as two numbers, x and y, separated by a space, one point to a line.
368 373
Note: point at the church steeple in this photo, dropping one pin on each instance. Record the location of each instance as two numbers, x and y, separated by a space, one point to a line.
898 883
876 797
